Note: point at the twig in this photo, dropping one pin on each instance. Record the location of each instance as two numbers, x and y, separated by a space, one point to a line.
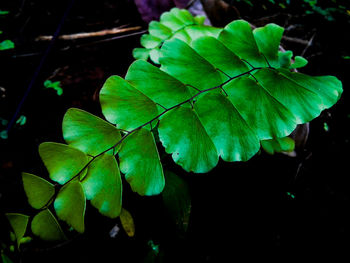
85 44
190 3
308 44
112 31
295 40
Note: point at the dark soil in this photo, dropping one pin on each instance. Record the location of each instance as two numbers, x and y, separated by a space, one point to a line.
238 208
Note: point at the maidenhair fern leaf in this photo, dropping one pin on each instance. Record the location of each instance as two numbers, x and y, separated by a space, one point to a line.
38 190
176 23
124 105
45 225
268 39
182 62
285 58
62 161
183 135
238 37
219 56
88 133
139 161
278 145
299 62
230 133
302 101
157 85
70 205
103 187
263 113
19 224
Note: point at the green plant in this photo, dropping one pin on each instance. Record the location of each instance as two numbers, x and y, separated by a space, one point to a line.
54 85
214 95
5 44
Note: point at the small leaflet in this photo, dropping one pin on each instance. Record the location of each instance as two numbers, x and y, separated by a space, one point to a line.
6 44
54 85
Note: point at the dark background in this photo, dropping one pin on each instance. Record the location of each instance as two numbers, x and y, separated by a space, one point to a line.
238 209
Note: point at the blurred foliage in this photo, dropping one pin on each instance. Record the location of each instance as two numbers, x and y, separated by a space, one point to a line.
328 9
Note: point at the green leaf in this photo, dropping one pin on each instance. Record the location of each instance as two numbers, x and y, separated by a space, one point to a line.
268 39
183 135
176 19
197 31
4 135
102 185
141 53
304 101
62 161
278 145
3 12
177 58
285 58
124 105
266 116
177 200
159 30
150 41
139 161
45 226
38 190
328 88
178 24
127 222
299 62
19 224
70 205
160 87
199 19
154 55
230 133
54 85
21 120
238 37
88 132
5 259
219 56
7 44
182 35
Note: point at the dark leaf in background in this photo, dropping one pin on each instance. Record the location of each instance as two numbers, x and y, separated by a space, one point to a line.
177 200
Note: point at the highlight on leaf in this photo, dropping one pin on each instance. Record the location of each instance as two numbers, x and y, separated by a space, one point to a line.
70 205
140 162
62 161
103 187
